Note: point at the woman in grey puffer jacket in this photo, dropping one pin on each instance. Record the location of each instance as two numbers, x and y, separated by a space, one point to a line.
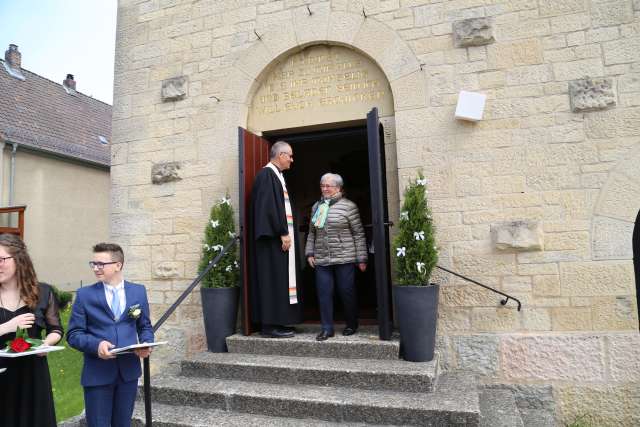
335 245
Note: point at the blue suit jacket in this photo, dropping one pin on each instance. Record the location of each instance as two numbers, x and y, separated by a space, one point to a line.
92 322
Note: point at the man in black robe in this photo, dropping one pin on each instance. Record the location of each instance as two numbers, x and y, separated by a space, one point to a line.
636 260
273 262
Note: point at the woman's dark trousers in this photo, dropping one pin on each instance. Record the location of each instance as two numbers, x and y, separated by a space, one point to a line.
341 276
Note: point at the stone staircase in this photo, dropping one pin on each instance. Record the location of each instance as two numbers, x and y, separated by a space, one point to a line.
351 381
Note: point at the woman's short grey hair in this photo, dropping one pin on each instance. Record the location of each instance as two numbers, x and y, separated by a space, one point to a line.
277 148
334 177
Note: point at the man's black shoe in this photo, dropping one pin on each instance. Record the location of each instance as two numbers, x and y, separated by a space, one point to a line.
348 331
324 335
289 329
276 332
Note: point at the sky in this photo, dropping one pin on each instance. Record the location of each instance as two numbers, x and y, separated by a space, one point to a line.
60 37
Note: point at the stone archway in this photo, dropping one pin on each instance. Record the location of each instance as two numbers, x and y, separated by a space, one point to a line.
615 212
278 39
615 227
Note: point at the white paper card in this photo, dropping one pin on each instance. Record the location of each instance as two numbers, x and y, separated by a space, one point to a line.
134 346
38 350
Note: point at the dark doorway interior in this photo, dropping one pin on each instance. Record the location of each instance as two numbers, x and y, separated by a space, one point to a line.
342 151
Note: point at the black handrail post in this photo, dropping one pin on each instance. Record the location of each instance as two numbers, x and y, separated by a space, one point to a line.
147 392
165 316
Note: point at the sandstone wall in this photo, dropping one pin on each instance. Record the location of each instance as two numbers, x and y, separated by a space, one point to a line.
538 199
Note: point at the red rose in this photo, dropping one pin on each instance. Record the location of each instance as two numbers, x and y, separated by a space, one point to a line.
19 345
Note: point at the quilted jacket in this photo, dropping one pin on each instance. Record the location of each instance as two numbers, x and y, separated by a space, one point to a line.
342 238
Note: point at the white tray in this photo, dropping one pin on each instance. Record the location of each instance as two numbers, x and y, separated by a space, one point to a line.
40 350
132 347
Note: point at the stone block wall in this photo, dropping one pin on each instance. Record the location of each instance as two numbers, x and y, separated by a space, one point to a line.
557 150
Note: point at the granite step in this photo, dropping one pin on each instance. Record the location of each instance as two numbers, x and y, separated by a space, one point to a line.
192 416
455 401
498 409
363 345
370 374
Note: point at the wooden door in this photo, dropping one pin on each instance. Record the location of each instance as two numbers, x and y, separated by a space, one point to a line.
380 221
254 154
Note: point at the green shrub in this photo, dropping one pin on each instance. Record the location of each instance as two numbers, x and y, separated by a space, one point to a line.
64 298
414 246
219 230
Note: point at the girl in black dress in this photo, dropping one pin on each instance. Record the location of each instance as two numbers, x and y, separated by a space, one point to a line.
27 400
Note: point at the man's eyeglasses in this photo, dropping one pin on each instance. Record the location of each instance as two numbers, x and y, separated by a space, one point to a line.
288 154
4 258
100 265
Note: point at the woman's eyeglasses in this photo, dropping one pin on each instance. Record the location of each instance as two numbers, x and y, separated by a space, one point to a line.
4 258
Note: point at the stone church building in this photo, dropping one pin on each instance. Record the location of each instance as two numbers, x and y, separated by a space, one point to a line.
536 197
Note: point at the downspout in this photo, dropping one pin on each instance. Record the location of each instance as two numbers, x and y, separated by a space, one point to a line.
12 175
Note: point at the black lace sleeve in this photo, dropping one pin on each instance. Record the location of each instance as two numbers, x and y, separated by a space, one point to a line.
52 316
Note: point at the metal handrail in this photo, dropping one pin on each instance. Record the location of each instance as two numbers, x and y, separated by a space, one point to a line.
502 301
165 316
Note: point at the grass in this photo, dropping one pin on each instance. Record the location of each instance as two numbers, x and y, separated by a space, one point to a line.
65 367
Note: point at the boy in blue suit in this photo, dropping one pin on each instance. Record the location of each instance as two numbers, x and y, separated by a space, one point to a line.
110 313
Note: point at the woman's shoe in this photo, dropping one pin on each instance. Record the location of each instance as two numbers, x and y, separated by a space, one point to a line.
348 331
324 335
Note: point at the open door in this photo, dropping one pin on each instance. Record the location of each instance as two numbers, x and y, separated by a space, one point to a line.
380 221
254 154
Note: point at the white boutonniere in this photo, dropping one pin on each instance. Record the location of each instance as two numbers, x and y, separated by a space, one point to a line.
134 311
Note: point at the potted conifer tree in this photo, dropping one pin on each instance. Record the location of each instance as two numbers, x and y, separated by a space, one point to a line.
219 288
415 298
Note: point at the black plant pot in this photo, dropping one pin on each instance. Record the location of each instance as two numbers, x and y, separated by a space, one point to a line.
220 311
417 313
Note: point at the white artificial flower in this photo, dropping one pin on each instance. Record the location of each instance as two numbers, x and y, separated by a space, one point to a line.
232 234
404 215
214 224
217 247
419 235
207 247
225 200
401 251
229 268
420 266
422 181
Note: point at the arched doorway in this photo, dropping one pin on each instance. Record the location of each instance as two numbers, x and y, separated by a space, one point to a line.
317 99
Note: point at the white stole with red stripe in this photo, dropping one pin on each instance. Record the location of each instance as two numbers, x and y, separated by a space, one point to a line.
293 295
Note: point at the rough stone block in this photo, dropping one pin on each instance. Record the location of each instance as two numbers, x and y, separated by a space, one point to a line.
168 270
553 357
621 51
591 94
597 278
494 319
477 353
611 238
614 313
174 89
609 13
473 32
517 235
599 404
578 69
166 172
560 7
624 356
571 319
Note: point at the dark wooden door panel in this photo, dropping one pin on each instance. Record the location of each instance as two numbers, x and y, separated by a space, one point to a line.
254 154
